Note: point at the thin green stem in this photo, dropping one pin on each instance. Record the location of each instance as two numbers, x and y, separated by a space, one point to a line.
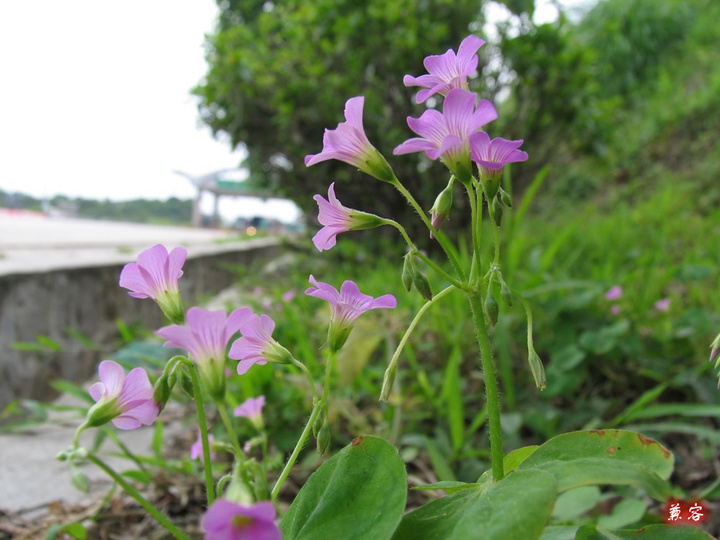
474 217
387 384
317 408
427 260
142 501
239 455
443 243
491 388
305 370
207 464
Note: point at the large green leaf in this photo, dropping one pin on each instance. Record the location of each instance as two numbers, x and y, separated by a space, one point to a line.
357 494
608 456
517 508
651 532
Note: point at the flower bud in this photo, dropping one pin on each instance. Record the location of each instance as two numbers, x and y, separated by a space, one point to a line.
537 369
443 204
186 383
491 309
407 272
161 391
497 211
505 198
79 479
388 382
422 285
323 439
506 294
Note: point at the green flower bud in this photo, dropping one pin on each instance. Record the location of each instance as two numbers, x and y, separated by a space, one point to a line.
505 198
186 383
497 211
506 294
388 382
323 439
407 272
161 391
422 285
79 479
537 369
491 309
443 204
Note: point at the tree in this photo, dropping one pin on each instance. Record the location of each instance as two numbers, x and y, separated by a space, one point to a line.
280 73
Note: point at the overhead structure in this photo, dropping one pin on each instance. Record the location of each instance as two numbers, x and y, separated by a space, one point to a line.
219 184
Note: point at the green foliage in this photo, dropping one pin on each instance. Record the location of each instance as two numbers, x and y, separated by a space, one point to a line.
280 74
359 493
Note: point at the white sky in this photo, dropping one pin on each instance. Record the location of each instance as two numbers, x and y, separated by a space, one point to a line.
95 102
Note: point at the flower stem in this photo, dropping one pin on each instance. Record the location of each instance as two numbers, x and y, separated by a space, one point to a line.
207 464
142 501
239 455
491 387
387 385
318 407
427 260
443 243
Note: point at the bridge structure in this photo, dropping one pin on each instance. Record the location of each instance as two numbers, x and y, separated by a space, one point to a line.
219 184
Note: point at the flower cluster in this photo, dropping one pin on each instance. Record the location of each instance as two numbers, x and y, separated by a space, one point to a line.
452 136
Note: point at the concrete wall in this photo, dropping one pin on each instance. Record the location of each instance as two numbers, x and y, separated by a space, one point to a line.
89 300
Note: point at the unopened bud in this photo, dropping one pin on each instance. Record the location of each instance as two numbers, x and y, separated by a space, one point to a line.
161 391
491 309
407 272
506 294
79 479
440 211
323 439
537 369
186 383
497 211
505 198
422 285
388 382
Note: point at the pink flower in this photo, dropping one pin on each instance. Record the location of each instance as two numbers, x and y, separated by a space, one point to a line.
615 310
251 409
226 520
205 337
127 401
257 346
492 156
349 143
614 293
156 276
345 307
446 135
337 219
662 304
447 71
288 296
196 448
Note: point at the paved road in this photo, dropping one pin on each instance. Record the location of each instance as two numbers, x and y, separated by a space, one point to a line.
35 243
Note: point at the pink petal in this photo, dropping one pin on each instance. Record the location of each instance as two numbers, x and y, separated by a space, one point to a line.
325 237
136 389
131 278
236 320
176 259
145 413
126 422
112 376
354 111
96 390
386 301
